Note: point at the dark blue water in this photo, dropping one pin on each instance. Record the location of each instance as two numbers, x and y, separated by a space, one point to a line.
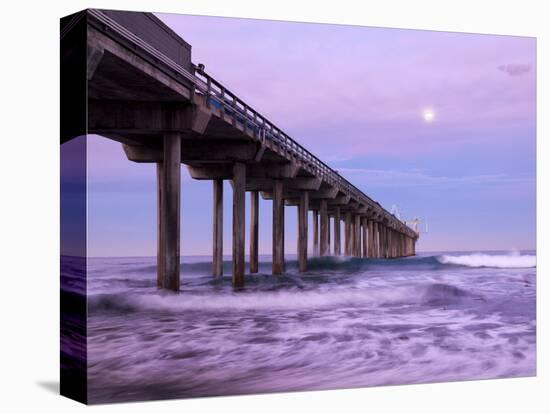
345 323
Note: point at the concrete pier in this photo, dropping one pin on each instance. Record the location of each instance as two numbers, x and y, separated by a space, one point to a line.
173 113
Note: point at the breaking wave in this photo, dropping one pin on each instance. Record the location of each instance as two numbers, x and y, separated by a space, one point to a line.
510 261
432 295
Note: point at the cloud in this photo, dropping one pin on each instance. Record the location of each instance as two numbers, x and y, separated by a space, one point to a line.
515 69
417 178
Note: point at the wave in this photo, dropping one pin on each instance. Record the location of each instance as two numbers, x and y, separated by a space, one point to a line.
432 295
510 261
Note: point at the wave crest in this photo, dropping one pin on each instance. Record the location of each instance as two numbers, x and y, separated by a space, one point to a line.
510 261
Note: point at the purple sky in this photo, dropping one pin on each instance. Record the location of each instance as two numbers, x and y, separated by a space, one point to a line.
357 97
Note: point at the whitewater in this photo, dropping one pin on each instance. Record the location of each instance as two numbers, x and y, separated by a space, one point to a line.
347 322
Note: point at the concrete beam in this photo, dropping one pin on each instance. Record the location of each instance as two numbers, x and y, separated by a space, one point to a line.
197 151
330 192
150 118
274 170
296 184
340 200
214 172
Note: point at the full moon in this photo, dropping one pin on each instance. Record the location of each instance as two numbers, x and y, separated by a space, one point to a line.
428 115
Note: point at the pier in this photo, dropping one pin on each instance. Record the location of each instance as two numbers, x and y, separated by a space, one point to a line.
134 79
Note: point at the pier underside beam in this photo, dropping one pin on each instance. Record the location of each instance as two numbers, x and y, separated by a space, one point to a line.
238 182
254 230
217 228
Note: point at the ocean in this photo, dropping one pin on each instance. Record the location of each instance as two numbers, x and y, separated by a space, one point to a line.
347 322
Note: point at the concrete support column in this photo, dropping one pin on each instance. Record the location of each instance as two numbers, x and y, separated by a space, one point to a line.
254 230
169 181
278 228
365 252
303 208
337 244
315 217
329 236
377 247
370 246
217 228
389 243
239 194
386 242
324 228
348 234
382 235
357 236
160 226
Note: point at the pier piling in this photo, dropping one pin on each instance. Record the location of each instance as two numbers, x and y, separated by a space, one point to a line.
239 184
217 228
254 230
303 208
324 228
278 228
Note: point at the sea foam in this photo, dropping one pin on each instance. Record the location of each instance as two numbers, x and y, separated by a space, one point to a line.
510 261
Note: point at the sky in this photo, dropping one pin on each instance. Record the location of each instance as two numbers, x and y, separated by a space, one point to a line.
441 125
